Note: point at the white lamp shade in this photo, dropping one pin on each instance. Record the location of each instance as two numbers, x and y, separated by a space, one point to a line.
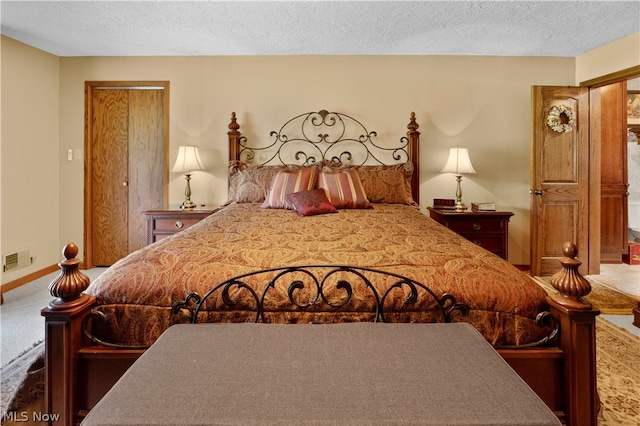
188 160
458 162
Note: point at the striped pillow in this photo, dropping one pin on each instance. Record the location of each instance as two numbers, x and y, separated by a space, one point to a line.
343 188
287 182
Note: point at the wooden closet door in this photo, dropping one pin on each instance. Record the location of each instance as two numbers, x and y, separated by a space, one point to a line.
127 167
109 207
146 161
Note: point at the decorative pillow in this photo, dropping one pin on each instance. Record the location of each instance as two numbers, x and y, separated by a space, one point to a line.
312 202
343 188
288 181
250 183
389 184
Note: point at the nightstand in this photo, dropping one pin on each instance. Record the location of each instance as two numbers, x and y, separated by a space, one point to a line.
489 230
165 222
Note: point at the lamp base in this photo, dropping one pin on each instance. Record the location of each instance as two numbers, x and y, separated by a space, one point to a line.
460 207
188 205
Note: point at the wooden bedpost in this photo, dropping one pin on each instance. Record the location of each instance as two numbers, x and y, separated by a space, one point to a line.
414 154
63 337
577 339
234 138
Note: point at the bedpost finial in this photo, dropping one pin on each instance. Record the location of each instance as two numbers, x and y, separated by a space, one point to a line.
233 125
413 125
69 285
570 250
70 251
572 286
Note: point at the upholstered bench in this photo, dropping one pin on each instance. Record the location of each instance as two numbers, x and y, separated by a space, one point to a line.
346 374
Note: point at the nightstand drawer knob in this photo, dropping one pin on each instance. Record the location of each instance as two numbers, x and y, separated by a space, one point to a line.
179 224
477 227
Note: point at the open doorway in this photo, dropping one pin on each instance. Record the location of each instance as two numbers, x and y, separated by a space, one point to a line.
595 223
633 160
619 189
591 211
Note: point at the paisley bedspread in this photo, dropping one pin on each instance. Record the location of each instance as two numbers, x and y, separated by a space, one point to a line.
136 294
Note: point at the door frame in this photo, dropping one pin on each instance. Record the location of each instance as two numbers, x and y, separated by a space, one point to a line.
595 151
89 87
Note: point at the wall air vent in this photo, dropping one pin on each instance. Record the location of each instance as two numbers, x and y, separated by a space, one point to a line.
16 260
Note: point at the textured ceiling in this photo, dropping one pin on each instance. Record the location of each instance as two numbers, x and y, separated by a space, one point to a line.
513 28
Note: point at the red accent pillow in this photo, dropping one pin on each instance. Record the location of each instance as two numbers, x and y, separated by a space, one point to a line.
286 182
312 202
343 188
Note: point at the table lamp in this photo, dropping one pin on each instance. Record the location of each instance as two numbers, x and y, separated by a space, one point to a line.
459 163
188 161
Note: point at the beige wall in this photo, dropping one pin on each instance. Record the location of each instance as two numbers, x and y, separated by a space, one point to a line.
482 103
31 156
618 55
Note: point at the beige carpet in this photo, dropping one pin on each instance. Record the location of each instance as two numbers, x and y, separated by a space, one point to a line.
617 351
607 299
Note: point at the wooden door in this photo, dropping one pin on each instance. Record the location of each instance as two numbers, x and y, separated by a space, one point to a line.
559 176
109 207
147 178
611 101
126 167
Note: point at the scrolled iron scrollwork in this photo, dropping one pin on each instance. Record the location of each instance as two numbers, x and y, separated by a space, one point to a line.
325 288
445 305
346 287
312 137
199 302
332 286
545 320
294 287
95 318
187 304
450 305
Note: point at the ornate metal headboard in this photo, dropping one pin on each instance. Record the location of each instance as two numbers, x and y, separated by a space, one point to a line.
316 136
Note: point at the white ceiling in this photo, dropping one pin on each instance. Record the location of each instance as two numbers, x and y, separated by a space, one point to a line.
124 28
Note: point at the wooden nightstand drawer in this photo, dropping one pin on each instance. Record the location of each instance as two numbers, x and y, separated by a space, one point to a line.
493 244
175 224
477 225
163 223
489 230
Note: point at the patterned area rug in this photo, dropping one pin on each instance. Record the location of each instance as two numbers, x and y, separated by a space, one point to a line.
618 360
608 300
22 389
617 351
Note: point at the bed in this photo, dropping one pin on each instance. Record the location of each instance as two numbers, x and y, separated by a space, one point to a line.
322 226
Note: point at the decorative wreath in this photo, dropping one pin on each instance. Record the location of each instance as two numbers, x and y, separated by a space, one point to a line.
557 122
